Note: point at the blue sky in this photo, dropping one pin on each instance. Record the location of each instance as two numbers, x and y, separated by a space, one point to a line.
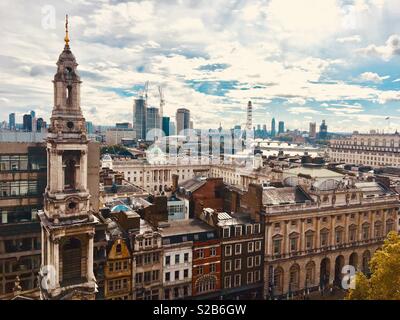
298 61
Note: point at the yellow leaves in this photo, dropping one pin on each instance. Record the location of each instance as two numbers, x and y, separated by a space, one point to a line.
384 283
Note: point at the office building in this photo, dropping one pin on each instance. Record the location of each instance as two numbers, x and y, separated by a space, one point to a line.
153 119
27 123
273 129
89 127
123 125
166 125
11 121
323 131
313 130
182 120
281 127
139 118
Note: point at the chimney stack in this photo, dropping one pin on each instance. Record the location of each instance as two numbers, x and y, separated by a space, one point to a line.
175 180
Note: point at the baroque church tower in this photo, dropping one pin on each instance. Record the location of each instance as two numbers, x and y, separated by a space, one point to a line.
67 221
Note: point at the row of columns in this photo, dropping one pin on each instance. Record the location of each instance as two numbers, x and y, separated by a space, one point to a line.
317 224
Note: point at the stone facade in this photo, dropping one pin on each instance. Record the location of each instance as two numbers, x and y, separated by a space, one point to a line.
376 150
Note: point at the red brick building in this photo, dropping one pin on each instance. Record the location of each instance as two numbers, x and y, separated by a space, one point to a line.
202 193
206 274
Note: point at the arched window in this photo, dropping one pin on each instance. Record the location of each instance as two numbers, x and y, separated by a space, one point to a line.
294 276
310 274
278 280
206 283
365 262
353 260
69 174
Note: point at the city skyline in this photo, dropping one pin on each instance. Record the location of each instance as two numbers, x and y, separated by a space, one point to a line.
333 61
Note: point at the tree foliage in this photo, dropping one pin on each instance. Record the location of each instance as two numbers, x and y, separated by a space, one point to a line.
384 283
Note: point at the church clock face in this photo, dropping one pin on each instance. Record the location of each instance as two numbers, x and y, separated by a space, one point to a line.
71 206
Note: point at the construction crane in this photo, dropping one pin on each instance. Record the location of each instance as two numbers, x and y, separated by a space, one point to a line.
162 103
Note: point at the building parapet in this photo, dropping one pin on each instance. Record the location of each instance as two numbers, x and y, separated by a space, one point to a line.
298 207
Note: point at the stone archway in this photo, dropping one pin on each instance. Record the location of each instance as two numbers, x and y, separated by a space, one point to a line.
339 264
353 260
324 272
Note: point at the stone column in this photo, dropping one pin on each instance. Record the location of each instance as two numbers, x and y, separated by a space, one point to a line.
268 239
384 216
59 172
44 247
372 224
318 244
48 167
332 240
83 170
346 228
56 261
332 269
286 237
49 251
90 275
302 236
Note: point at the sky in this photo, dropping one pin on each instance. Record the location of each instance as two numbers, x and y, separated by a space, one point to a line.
297 61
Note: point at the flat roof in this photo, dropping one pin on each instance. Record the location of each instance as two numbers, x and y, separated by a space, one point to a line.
319 173
184 227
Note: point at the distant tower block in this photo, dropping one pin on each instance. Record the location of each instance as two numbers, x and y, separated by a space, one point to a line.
249 122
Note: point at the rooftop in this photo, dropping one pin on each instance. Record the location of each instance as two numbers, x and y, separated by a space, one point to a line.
192 184
287 195
314 172
184 227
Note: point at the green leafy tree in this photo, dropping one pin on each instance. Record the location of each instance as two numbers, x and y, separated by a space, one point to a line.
384 283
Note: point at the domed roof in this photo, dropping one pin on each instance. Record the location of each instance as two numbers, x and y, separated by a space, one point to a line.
120 207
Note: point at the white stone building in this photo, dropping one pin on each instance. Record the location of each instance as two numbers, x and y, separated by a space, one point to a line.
376 150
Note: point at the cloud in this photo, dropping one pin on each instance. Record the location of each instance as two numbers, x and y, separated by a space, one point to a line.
211 57
301 110
344 108
387 51
372 77
350 39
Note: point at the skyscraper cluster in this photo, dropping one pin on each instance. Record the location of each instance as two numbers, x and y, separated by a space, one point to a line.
29 122
147 118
